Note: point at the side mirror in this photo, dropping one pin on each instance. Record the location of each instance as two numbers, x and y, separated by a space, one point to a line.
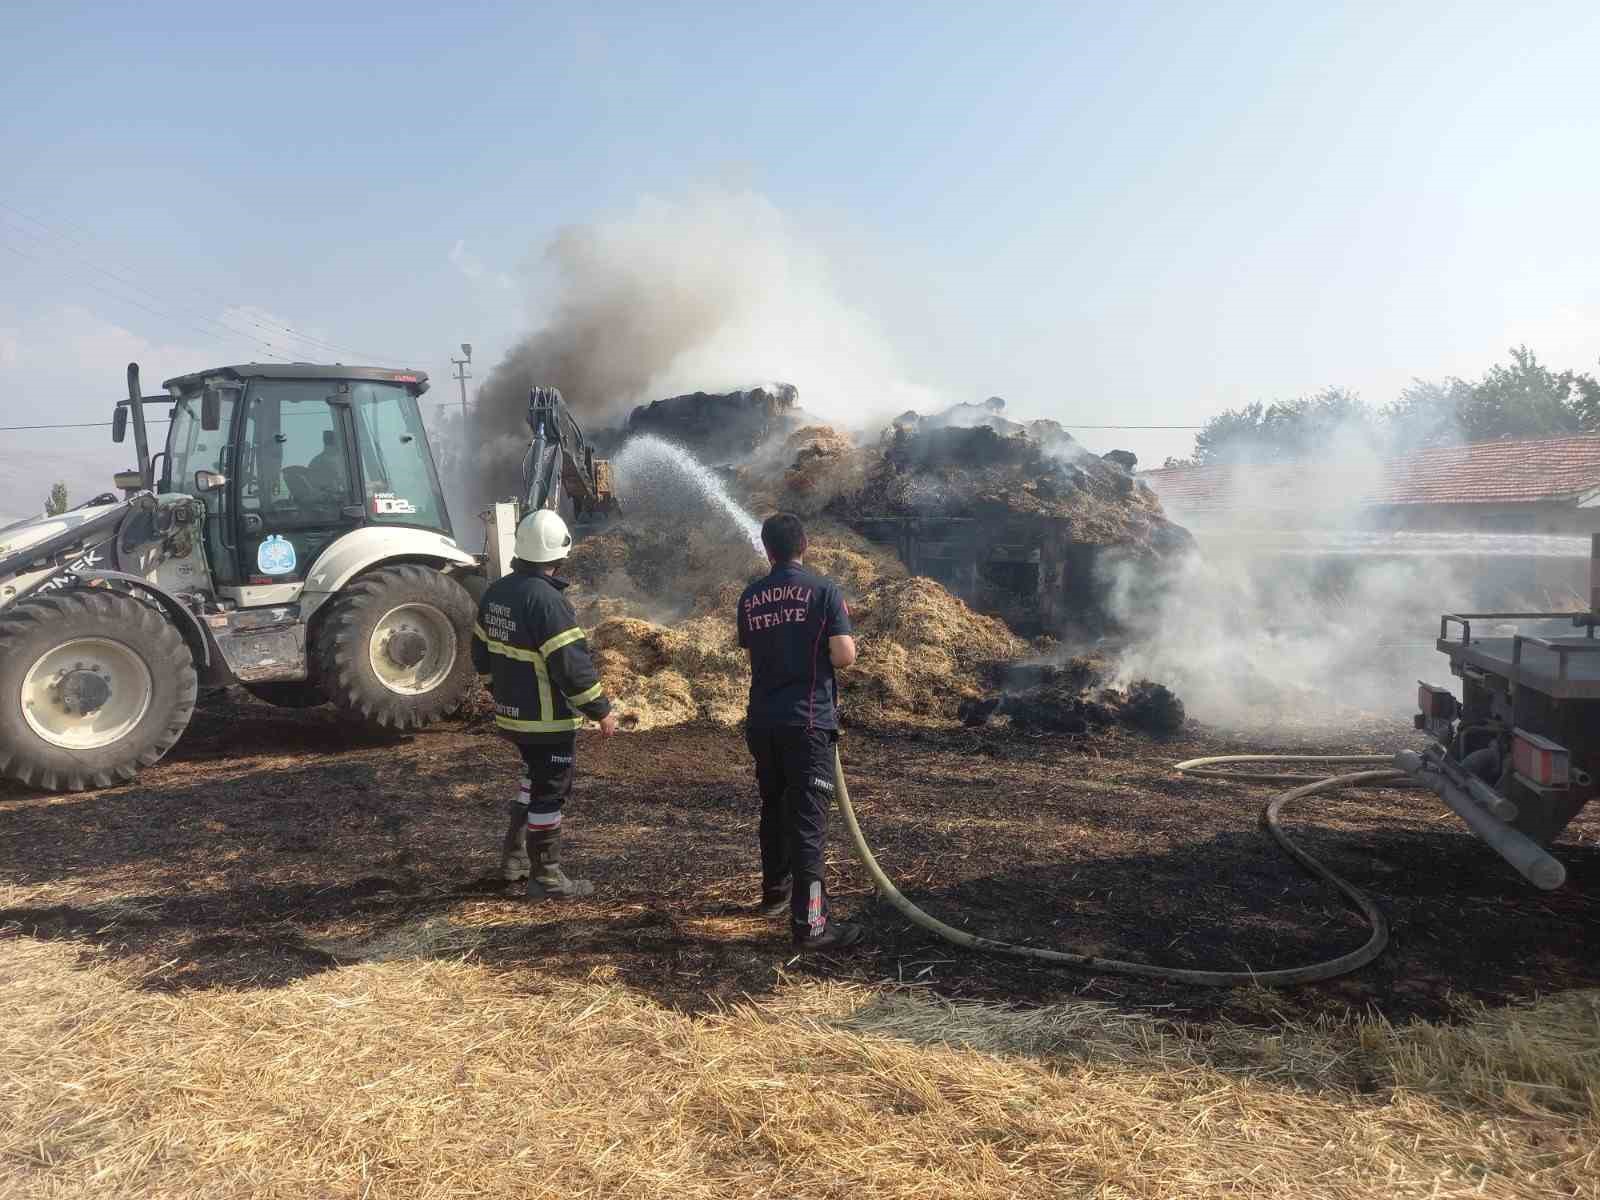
119 424
209 481
210 407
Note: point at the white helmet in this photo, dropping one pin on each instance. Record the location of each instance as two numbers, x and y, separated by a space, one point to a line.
543 537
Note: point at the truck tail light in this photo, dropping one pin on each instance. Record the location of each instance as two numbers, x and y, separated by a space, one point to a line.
1435 703
1539 760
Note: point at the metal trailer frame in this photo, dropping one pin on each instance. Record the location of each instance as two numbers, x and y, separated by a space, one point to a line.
1518 691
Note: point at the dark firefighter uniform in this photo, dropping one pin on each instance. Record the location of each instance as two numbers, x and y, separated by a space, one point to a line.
544 684
785 621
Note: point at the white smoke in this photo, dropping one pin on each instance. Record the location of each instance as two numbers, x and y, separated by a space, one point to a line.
1297 607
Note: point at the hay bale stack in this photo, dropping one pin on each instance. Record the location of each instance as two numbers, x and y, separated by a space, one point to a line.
850 560
660 676
922 651
804 472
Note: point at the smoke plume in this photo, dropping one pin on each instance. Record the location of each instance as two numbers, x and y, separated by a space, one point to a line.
712 293
1298 607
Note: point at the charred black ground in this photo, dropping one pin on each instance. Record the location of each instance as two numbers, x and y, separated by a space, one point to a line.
269 842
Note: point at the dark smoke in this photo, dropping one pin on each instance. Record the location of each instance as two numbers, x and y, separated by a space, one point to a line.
615 328
709 293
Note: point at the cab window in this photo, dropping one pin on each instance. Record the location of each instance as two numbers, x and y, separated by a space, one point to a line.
190 448
402 487
294 464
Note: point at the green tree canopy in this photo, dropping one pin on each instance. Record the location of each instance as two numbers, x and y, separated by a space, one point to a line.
1283 430
56 503
1521 398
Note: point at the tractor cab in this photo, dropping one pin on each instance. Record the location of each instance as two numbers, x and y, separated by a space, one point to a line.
289 458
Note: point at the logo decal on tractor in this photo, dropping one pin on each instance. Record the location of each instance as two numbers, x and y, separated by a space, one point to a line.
275 556
387 504
68 575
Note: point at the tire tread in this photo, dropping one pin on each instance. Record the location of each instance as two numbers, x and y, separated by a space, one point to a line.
339 644
101 605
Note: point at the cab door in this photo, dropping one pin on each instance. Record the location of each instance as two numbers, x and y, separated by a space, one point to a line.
296 482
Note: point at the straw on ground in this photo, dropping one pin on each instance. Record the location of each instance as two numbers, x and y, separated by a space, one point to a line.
419 1077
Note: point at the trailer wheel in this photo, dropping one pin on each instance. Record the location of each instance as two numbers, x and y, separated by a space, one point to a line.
394 649
94 685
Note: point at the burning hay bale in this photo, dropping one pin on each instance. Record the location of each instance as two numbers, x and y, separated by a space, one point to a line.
952 536
1016 519
658 568
922 653
1072 698
804 471
922 650
954 471
720 425
815 456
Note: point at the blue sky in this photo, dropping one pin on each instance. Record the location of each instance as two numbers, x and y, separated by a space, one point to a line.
1136 213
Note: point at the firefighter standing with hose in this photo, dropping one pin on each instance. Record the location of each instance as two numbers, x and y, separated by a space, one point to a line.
796 626
528 642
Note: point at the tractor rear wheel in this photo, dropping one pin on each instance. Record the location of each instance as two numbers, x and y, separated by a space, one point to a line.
394 649
94 685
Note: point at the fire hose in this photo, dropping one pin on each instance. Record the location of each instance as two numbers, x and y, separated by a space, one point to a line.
1195 768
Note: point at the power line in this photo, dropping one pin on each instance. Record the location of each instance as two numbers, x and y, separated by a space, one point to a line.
146 308
188 321
224 303
132 283
78 425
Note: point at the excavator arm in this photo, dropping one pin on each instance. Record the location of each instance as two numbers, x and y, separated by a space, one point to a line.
560 470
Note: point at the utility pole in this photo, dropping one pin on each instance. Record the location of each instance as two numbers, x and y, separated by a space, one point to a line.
461 377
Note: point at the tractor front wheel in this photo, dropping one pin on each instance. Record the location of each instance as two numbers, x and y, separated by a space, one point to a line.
94 684
394 649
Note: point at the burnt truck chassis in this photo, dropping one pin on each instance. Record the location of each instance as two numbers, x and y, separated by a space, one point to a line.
1519 754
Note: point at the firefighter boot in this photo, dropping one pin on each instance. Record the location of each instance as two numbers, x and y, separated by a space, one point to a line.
548 881
775 899
836 935
514 850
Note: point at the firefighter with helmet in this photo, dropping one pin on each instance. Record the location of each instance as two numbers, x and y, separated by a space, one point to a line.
528 642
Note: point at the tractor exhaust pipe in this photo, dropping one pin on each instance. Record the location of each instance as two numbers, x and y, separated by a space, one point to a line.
141 438
1529 859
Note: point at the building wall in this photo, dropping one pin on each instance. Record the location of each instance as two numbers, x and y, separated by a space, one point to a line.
1563 519
1026 570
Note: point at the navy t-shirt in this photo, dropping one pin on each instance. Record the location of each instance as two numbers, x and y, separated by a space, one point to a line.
785 621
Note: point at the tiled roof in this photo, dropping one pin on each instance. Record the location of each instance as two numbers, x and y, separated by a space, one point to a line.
1507 472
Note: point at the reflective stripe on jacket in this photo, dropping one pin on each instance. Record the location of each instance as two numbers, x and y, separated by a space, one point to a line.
528 642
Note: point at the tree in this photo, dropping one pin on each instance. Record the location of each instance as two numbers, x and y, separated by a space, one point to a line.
1521 398
1285 429
1426 413
57 503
